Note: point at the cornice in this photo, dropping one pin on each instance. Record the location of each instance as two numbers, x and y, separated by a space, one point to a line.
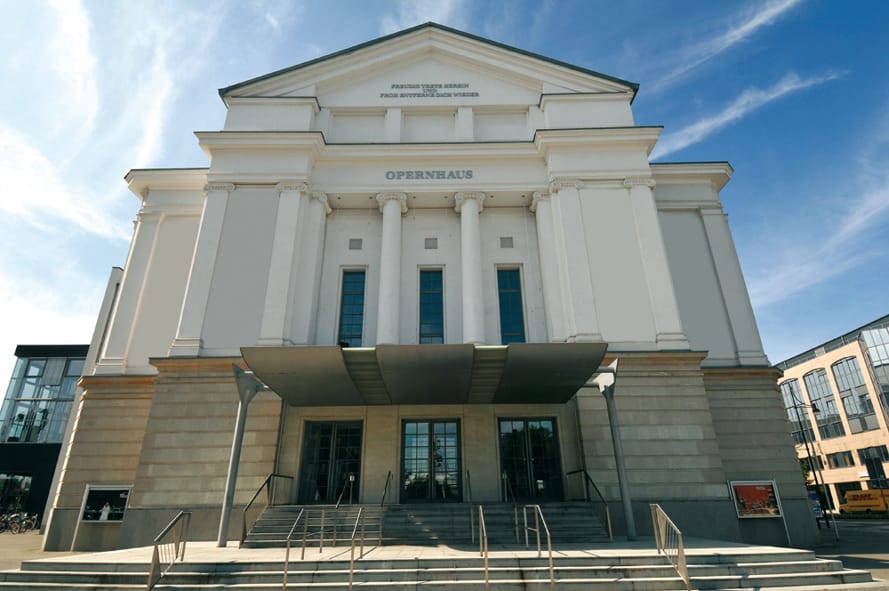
272 100
716 174
596 137
142 180
582 97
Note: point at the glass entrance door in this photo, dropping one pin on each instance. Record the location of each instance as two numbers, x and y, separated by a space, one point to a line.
331 462
430 464
529 459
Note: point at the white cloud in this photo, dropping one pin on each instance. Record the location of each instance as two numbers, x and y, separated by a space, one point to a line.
37 312
415 12
847 236
699 53
33 191
74 62
749 101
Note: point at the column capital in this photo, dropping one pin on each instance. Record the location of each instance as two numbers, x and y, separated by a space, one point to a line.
631 182
323 200
556 185
296 186
463 197
382 198
537 197
214 187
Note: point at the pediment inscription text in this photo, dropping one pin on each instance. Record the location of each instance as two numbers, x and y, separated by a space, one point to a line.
430 90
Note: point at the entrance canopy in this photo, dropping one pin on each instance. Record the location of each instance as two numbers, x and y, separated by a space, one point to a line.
520 373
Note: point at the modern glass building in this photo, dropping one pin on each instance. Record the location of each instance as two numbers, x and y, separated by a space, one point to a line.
835 395
33 420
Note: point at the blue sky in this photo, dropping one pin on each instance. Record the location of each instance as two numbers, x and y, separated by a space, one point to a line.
794 93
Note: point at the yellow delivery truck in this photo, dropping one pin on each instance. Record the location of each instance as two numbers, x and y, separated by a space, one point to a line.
864 501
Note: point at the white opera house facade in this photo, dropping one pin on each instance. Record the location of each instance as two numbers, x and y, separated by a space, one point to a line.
427 247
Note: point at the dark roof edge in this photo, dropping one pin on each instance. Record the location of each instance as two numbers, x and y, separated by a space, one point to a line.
786 364
51 350
226 90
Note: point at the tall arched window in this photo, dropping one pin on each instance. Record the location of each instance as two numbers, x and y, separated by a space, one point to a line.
830 424
854 395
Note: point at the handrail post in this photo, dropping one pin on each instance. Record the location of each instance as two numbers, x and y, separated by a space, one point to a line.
321 536
169 552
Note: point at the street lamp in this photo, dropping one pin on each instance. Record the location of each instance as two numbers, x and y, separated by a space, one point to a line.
814 466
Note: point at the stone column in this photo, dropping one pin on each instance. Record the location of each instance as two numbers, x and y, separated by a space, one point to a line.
191 319
470 205
291 197
661 293
388 307
113 359
541 206
581 319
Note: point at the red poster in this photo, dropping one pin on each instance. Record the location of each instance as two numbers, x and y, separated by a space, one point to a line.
756 499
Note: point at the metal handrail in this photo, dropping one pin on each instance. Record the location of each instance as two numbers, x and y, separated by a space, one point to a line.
471 510
358 519
538 520
169 552
264 485
389 478
668 540
287 554
483 542
350 481
589 498
507 490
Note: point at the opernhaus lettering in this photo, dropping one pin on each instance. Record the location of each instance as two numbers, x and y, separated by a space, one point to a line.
427 175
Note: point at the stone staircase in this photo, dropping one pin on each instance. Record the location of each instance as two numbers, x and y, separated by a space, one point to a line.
744 569
422 524
324 525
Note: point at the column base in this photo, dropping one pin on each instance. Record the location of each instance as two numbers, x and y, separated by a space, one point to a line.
672 341
186 347
273 342
585 337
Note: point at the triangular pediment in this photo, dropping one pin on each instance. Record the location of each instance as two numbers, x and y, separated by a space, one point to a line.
429 65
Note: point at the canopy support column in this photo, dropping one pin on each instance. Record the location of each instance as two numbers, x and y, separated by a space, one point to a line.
605 381
248 386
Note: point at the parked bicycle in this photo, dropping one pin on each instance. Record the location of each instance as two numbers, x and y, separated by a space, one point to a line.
18 522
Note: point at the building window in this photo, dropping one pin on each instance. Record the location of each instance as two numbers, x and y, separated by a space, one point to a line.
356 243
431 307
796 412
876 347
830 424
430 243
506 242
39 399
512 319
841 459
878 452
854 395
352 309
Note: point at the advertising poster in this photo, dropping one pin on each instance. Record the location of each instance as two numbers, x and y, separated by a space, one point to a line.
755 498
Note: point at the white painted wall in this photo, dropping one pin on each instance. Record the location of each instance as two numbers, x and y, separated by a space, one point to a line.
237 293
610 241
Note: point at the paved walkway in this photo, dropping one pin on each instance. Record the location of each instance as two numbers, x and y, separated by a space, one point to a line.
16 548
